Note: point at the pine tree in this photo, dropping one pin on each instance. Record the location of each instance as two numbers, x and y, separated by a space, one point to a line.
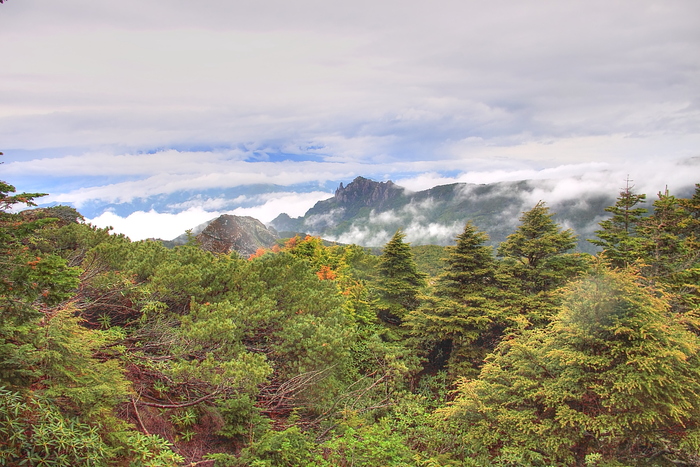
614 377
399 280
459 319
618 235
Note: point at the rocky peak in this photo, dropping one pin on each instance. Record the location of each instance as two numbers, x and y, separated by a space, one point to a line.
366 192
236 233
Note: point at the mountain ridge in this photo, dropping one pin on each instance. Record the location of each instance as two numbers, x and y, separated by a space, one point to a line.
367 212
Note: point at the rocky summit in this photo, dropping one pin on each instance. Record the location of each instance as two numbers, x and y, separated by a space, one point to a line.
244 235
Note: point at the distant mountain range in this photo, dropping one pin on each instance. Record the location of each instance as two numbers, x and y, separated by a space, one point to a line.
368 213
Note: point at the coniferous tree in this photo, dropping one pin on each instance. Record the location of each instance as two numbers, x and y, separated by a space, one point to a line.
618 235
459 320
613 378
28 279
399 280
669 248
692 206
535 262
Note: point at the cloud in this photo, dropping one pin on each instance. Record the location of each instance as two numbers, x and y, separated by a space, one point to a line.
432 233
293 204
206 203
317 222
571 184
141 225
414 209
361 235
647 175
128 164
383 218
417 231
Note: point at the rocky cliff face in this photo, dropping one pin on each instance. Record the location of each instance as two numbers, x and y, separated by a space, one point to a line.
365 192
360 194
234 233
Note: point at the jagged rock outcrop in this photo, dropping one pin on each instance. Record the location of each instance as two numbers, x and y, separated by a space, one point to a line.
365 192
244 235
349 201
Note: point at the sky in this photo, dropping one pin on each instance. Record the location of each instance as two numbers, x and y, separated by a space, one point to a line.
156 116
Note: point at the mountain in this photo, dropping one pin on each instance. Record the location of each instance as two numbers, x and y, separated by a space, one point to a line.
228 233
368 213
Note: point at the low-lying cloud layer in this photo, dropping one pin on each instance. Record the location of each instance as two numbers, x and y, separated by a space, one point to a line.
140 225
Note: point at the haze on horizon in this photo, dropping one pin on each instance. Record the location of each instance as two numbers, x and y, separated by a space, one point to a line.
156 116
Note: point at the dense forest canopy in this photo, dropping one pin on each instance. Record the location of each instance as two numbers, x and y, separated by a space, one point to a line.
123 353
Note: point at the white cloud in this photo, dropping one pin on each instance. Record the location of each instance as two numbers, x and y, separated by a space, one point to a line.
317 222
363 79
293 204
432 233
208 204
648 176
141 225
386 217
360 235
415 209
100 163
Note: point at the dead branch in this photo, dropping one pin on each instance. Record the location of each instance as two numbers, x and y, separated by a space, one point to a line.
138 416
183 404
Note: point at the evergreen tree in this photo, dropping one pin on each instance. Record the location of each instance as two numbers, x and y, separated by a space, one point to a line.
618 235
29 279
460 318
613 378
535 262
669 247
692 206
399 280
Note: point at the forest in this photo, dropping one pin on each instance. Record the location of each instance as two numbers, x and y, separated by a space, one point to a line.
121 353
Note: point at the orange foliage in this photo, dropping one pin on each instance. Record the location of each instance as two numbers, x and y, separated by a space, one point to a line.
291 243
326 273
259 252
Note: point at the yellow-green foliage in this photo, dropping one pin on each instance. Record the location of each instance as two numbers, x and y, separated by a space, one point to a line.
614 373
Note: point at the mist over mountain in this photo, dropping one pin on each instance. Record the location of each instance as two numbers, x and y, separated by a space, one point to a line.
366 212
